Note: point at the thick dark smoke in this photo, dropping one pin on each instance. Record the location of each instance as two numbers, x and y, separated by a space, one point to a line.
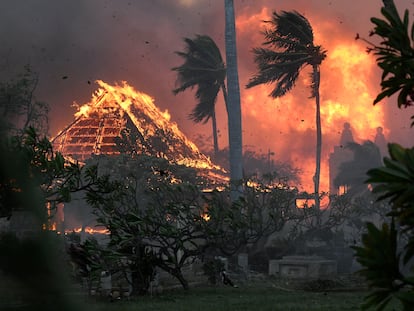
72 43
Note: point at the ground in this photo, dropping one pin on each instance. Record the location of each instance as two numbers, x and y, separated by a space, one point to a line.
259 293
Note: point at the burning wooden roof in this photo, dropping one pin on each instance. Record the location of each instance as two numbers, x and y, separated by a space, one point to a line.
120 117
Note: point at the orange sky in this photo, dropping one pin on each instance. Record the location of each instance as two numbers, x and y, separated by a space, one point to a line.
287 125
135 41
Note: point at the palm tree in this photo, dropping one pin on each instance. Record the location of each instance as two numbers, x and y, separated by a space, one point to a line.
233 103
291 37
203 68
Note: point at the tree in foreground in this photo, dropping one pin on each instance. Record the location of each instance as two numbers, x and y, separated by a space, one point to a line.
159 208
32 175
387 252
394 54
291 48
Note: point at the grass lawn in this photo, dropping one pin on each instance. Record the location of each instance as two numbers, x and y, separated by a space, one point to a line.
254 297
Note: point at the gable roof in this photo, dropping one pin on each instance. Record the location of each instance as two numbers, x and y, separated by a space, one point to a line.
119 117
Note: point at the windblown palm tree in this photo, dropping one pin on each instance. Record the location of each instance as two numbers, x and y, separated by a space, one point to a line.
291 39
203 68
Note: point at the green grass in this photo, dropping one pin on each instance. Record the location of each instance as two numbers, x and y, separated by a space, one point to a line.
250 296
256 298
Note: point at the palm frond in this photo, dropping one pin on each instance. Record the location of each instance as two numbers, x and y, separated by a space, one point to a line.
290 29
207 97
291 36
282 68
203 69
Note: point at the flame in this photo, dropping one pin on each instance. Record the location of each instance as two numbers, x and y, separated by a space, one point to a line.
83 111
88 230
205 216
128 98
287 124
158 132
305 203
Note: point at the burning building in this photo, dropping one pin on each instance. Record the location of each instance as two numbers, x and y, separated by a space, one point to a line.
118 119
121 119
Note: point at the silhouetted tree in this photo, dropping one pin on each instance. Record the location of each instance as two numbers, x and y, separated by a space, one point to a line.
203 68
387 252
291 37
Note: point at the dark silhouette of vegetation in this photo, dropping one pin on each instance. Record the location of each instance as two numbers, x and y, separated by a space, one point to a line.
31 175
32 178
203 68
291 37
386 252
394 54
171 217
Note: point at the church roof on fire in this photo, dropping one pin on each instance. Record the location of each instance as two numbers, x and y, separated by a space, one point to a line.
119 118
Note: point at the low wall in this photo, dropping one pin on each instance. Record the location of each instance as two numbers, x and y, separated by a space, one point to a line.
303 267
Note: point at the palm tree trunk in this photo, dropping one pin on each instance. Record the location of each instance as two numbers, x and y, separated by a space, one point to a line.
317 77
224 90
234 109
215 138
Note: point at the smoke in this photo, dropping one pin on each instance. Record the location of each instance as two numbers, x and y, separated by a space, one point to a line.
72 43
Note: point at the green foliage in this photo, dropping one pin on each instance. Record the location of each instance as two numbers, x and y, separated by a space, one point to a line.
386 252
88 260
395 54
395 181
174 219
144 210
380 258
34 172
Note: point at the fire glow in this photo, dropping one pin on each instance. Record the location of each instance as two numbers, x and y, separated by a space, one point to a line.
101 120
287 124
88 230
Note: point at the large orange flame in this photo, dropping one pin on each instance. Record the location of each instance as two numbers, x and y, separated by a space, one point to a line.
152 124
287 125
